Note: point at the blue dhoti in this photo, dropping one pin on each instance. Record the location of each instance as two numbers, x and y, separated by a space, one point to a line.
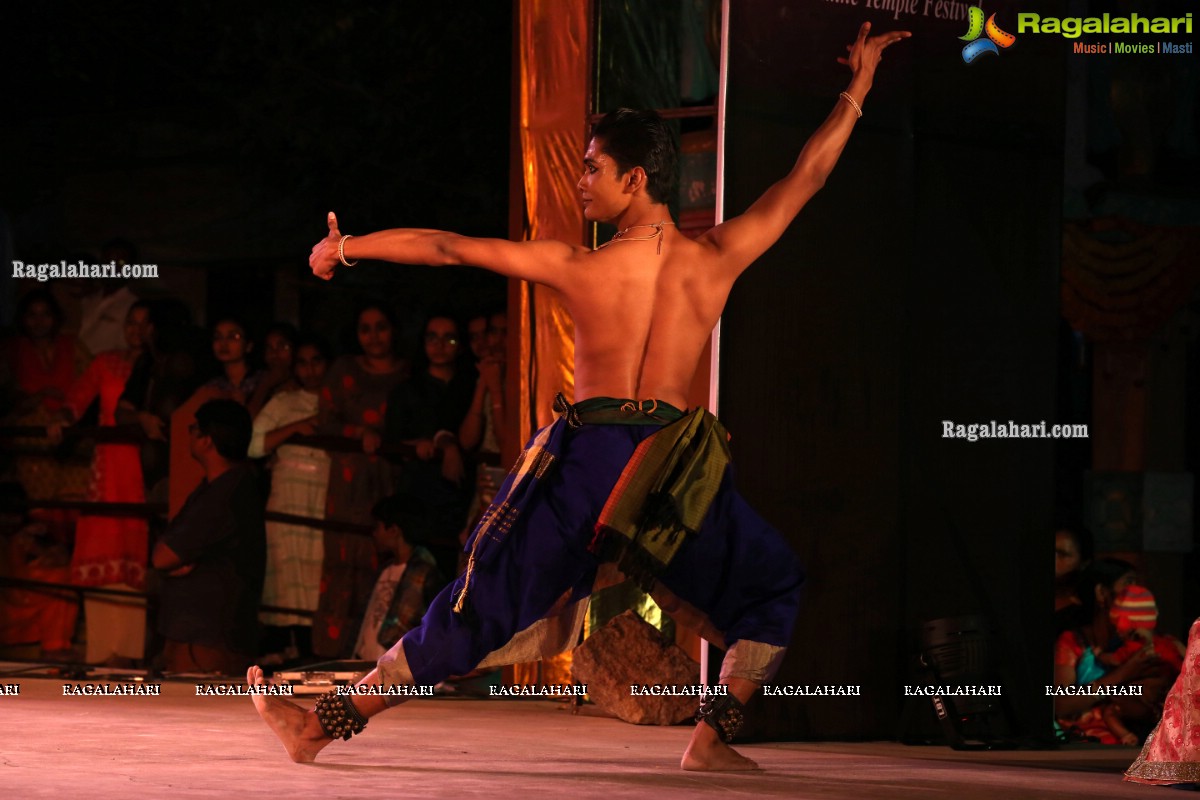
735 569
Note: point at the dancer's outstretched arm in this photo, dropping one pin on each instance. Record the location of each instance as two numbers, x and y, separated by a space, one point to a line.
545 262
742 239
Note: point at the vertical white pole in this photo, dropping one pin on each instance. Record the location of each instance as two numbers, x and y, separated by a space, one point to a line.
715 359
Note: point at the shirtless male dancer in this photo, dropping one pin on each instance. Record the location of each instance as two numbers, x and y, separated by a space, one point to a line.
643 309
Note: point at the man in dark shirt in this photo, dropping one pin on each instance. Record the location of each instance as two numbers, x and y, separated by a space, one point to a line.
215 552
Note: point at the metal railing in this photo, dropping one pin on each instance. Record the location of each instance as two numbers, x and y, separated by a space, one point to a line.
133 434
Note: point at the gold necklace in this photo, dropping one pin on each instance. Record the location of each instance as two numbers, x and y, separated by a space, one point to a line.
619 236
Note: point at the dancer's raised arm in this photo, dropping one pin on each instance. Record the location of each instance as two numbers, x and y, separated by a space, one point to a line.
744 238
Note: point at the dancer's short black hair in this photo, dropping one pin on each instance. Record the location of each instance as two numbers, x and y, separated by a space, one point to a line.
642 139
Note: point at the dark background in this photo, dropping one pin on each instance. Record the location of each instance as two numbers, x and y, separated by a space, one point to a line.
920 285
215 136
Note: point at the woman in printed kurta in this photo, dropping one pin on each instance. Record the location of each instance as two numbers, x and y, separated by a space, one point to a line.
353 404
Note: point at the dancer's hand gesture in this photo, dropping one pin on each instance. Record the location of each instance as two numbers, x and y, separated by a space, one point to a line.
867 51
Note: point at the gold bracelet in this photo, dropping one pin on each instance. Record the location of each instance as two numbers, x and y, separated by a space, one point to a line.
850 100
342 244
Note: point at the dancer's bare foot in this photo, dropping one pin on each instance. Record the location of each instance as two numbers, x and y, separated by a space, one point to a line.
707 753
297 729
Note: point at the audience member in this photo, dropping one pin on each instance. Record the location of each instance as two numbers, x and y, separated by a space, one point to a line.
477 336
279 351
483 426
40 361
353 404
232 347
112 551
1135 617
39 365
409 580
1072 552
104 308
237 381
426 411
28 552
1078 660
162 380
484 429
214 552
299 478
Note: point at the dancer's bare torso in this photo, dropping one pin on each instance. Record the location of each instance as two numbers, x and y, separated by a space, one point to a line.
642 317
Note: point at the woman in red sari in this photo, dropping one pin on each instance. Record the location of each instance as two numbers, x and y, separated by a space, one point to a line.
112 551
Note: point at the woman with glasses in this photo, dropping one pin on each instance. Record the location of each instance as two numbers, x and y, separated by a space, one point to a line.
426 411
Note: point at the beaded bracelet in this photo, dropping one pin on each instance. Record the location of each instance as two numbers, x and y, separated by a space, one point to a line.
850 100
342 241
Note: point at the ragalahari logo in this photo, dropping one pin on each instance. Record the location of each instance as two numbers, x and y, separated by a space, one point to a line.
995 41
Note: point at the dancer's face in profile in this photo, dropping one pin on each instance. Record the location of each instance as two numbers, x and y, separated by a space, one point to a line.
602 187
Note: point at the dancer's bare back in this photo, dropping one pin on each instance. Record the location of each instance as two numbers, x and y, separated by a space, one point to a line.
642 316
644 305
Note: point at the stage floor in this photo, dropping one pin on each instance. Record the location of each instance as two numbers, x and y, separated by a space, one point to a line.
181 746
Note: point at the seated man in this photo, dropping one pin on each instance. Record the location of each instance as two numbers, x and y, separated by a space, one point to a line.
409 581
215 551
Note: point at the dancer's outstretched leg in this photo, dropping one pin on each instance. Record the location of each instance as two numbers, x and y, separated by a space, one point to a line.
297 729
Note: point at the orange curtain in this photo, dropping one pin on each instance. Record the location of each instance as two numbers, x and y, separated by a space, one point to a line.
553 107
553 98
